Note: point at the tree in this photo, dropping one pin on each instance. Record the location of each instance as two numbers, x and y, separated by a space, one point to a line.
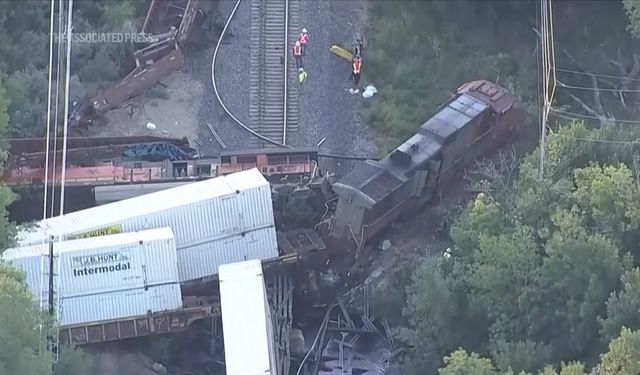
461 363
438 318
20 318
6 195
623 357
633 12
623 307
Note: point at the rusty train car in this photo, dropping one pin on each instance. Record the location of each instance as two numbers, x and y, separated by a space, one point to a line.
273 163
475 123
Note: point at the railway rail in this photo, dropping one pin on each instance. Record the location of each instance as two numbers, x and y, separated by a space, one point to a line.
273 98
293 20
273 106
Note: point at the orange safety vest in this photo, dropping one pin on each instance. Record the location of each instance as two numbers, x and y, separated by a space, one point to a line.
304 38
297 50
356 66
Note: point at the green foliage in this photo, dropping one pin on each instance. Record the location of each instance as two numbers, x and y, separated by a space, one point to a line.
415 44
19 335
623 357
623 306
520 356
6 195
539 272
95 64
461 363
632 7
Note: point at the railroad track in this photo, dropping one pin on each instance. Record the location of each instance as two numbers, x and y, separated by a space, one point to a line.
273 93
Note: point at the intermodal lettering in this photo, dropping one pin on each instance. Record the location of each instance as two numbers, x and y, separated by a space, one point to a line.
85 271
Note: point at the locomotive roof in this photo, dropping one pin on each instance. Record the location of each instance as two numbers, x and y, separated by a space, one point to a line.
373 181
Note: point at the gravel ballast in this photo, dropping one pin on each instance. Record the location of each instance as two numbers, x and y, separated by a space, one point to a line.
326 108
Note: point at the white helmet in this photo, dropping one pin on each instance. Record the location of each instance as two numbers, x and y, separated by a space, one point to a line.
304 30
297 43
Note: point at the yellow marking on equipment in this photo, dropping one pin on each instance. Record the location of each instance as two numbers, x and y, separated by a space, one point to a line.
341 52
113 229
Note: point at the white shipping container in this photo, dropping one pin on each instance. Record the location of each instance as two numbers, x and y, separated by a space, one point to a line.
101 264
249 345
118 305
199 213
203 260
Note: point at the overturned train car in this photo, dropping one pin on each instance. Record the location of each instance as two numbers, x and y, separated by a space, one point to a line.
475 123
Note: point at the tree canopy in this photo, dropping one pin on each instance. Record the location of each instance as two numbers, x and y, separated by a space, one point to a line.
542 272
94 65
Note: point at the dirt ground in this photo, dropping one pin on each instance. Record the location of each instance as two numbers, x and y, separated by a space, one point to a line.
174 117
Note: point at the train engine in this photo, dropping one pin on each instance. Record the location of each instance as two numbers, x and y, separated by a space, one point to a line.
475 123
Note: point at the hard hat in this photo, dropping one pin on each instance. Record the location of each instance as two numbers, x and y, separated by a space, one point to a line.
301 70
304 30
297 43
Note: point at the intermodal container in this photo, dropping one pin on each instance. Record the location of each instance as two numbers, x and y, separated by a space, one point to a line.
199 213
118 305
102 264
247 327
202 261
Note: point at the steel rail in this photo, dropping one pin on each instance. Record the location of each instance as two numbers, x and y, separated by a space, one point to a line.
236 119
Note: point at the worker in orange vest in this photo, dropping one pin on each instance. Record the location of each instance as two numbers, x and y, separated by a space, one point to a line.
297 53
303 38
355 74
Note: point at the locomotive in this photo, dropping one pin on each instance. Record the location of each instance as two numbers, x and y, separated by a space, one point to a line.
475 123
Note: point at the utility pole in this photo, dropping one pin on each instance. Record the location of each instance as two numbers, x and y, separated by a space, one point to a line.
51 309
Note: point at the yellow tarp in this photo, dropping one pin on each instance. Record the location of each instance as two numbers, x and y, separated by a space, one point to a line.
341 52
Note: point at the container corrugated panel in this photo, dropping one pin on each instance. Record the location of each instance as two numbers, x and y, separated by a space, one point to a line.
247 346
203 260
102 264
197 212
121 304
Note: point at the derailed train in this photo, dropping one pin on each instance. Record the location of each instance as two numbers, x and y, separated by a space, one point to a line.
476 122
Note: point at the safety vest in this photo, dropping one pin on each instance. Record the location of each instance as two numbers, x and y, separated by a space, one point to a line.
297 50
302 76
303 38
356 66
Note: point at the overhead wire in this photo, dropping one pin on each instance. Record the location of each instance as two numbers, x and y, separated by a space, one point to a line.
56 106
548 63
66 107
581 116
596 140
48 134
587 88
565 70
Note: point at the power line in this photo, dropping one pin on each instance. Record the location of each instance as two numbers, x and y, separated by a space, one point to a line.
548 64
565 70
611 141
558 111
57 107
587 88
66 106
48 137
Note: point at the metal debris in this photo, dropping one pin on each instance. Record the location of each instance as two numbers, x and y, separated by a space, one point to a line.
216 136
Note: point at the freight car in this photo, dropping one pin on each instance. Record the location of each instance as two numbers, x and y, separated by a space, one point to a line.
476 122
220 220
274 164
105 278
